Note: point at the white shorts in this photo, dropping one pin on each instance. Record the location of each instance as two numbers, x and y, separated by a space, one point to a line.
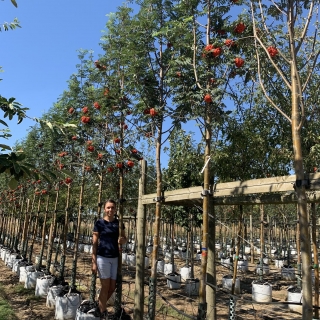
107 267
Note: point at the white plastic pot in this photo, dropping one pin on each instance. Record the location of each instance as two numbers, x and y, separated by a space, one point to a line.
227 283
192 287
31 279
160 266
149 249
66 306
279 263
131 260
87 248
288 273
242 265
264 269
293 296
42 286
261 292
225 262
173 281
168 268
185 273
51 296
124 258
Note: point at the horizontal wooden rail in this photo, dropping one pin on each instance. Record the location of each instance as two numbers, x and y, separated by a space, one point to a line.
275 189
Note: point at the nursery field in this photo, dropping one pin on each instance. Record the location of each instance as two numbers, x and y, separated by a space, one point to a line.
171 303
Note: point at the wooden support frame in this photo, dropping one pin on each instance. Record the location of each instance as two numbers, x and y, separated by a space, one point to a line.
273 190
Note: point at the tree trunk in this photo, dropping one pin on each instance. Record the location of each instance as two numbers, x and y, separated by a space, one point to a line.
316 262
156 230
141 248
65 232
53 230
205 219
300 187
77 233
43 234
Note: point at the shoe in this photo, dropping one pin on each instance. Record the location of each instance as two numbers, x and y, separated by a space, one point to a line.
91 311
104 315
95 312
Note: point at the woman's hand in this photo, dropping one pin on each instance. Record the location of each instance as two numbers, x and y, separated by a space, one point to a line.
122 240
94 267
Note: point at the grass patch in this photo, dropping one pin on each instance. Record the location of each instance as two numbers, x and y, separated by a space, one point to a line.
20 289
6 311
27 293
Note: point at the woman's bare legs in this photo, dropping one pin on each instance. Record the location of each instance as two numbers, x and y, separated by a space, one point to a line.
104 293
107 288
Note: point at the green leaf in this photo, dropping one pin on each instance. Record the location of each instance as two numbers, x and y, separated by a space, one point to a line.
2 122
13 156
4 146
69 125
16 167
69 173
13 183
14 2
21 157
2 169
50 173
25 170
46 178
49 124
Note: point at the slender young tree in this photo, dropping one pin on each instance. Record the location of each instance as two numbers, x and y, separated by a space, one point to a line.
287 52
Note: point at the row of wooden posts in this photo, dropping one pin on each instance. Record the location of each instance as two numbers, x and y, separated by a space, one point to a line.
22 230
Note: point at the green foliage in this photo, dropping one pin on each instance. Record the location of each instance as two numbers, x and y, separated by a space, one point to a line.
6 312
11 25
12 108
184 171
185 162
13 163
158 58
6 26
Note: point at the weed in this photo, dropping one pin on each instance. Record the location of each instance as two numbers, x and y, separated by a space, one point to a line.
6 311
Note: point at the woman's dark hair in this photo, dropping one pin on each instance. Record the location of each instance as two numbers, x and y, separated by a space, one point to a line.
110 201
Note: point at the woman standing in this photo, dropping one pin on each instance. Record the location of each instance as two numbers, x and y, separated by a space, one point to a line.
105 253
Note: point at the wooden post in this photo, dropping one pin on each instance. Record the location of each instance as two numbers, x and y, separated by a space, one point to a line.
261 239
235 264
140 247
251 240
269 236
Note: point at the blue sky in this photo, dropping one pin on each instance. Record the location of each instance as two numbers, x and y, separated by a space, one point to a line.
40 57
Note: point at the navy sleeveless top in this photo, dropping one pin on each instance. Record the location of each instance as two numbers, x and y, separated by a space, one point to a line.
108 238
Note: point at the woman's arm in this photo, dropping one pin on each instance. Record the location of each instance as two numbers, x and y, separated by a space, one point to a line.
95 238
